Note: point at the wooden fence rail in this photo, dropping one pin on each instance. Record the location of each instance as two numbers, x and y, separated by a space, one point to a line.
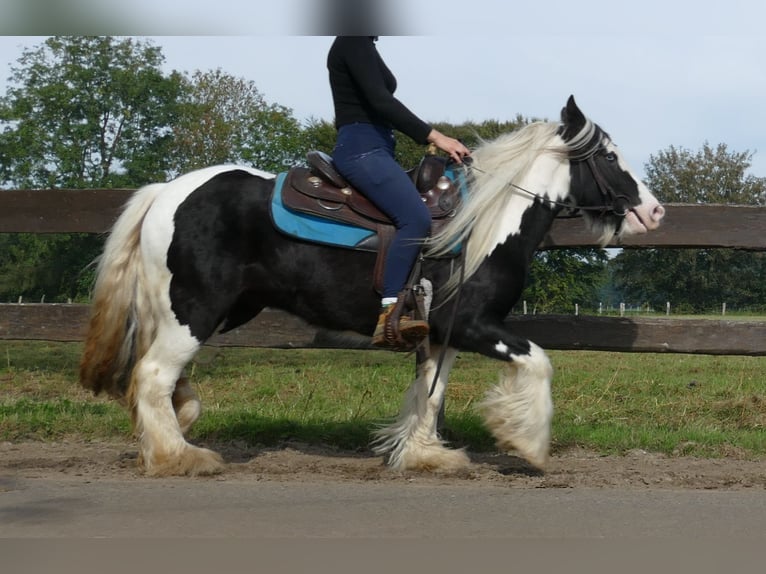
276 329
687 226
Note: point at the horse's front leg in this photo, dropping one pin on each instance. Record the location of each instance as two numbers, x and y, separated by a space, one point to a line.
412 441
519 409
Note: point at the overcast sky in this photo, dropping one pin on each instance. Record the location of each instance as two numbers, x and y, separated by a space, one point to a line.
653 74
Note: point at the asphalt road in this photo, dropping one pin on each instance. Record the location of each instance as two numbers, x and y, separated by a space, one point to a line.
181 508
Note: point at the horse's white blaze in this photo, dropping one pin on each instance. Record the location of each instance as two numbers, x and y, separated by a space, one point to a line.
647 214
518 411
412 441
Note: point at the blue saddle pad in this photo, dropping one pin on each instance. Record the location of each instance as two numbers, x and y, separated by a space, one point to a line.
326 231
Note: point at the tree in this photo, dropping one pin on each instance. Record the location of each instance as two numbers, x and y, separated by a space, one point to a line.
81 112
692 279
224 119
409 153
711 175
319 135
87 111
560 278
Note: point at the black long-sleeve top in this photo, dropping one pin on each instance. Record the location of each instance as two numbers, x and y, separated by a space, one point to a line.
363 89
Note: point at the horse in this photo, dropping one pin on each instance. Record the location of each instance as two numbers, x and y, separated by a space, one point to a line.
200 253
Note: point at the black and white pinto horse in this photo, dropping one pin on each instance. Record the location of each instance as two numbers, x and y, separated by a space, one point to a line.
200 253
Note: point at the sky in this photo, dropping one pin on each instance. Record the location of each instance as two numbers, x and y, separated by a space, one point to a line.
652 73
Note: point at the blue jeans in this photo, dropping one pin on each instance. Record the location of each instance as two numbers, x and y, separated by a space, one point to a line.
364 155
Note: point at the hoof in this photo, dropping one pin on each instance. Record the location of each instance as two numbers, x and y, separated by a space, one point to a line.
433 459
534 452
191 461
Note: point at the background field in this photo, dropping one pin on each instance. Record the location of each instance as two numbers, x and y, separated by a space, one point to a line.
610 403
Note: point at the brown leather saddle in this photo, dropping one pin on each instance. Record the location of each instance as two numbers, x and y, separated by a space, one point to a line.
321 191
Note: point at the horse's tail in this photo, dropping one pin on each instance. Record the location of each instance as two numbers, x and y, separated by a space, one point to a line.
121 325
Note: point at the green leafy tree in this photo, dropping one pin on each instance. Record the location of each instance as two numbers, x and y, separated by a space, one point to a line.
224 119
697 280
709 175
87 111
54 267
80 112
559 279
319 135
409 153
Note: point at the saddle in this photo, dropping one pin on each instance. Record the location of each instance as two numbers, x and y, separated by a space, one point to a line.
321 191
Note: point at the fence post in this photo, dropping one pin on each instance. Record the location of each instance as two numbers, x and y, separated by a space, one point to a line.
667 308
723 308
622 309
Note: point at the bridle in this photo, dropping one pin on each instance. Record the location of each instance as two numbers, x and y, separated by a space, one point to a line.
613 202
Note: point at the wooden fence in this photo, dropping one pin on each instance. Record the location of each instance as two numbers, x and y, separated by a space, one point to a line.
687 226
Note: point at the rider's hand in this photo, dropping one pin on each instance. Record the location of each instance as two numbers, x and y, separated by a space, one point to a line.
456 150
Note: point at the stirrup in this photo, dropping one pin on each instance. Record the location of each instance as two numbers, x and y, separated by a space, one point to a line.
399 331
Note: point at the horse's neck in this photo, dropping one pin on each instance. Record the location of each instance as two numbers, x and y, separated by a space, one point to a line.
535 224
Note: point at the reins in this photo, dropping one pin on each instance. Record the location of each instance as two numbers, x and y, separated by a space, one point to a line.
451 323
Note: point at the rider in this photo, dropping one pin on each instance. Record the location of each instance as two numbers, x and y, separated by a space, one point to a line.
366 113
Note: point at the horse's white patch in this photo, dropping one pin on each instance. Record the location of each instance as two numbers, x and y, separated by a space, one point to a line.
518 411
548 179
648 213
412 441
502 348
536 356
157 230
428 295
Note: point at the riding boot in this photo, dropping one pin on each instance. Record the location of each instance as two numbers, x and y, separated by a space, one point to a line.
403 335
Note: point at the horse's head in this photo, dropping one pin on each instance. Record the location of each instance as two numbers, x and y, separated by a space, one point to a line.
602 184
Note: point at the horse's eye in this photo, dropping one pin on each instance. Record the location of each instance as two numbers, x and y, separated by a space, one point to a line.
610 156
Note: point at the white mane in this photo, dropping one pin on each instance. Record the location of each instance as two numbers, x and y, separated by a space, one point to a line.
534 157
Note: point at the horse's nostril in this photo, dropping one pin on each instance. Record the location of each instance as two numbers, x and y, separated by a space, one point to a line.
658 212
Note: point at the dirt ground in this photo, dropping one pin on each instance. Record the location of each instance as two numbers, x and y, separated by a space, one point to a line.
301 463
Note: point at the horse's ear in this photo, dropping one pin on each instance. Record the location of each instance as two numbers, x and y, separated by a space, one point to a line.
572 118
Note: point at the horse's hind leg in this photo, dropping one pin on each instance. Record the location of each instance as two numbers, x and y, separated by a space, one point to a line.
164 451
412 442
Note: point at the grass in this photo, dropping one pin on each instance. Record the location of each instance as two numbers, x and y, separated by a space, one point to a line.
607 402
